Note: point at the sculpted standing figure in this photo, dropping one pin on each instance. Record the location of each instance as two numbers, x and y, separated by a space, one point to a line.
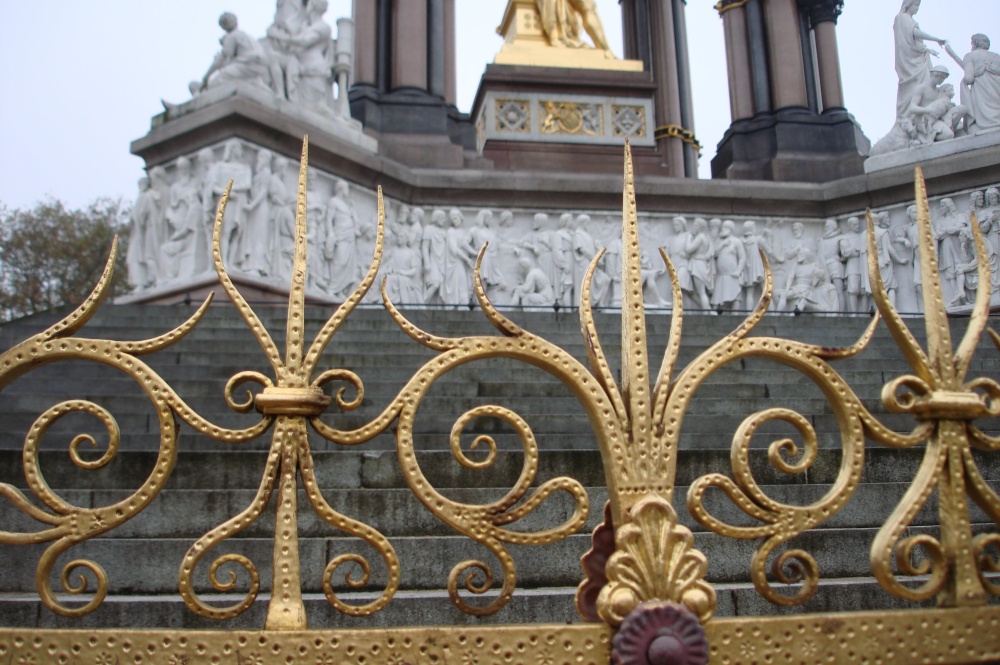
141 265
853 251
290 18
913 238
257 249
700 259
584 250
677 251
887 255
481 234
730 261
562 258
456 289
405 287
433 251
242 59
991 211
341 247
177 252
561 22
219 174
947 228
282 231
834 262
752 279
317 232
540 244
913 58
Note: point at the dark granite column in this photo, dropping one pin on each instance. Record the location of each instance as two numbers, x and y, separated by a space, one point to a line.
665 75
691 152
635 31
408 48
734 26
759 71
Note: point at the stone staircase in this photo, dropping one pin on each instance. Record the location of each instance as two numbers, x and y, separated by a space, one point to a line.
214 481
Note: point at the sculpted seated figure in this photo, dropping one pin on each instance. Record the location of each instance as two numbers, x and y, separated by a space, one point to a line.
242 59
980 85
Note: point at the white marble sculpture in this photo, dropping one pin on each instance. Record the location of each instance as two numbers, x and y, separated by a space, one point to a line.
947 228
980 85
181 218
730 261
433 252
241 60
853 251
913 57
142 267
459 262
830 246
341 245
534 288
298 60
752 279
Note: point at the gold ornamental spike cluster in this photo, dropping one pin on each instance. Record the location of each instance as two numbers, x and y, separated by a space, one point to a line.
644 596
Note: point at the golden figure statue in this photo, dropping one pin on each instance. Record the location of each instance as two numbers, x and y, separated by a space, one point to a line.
562 19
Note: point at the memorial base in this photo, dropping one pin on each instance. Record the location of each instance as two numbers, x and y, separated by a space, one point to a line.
792 145
560 119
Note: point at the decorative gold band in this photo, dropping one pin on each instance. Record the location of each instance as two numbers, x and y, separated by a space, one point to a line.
678 132
724 6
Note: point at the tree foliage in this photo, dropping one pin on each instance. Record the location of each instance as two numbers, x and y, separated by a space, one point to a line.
51 255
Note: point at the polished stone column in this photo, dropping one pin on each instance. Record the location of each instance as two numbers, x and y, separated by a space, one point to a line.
787 67
684 86
823 15
738 64
450 94
409 45
365 40
635 30
759 72
665 75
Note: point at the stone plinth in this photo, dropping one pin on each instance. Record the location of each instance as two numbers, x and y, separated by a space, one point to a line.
792 145
552 118
933 151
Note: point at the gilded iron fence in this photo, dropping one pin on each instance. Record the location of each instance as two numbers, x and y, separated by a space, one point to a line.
644 597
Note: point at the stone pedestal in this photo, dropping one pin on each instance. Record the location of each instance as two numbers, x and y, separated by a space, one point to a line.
551 118
792 144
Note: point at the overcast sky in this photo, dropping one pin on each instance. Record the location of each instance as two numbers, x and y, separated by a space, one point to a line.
80 79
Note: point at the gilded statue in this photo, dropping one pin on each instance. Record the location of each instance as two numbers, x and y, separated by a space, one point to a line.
562 21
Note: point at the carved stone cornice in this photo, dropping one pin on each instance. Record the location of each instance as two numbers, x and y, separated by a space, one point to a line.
820 11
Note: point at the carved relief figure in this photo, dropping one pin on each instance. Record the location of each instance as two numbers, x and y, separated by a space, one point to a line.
584 250
700 259
539 243
677 251
405 284
752 278
650 290
256 247
729 264
141 264
562 259
219 174
947 228
341 248
317 231
433 251
887 255
534 290
853 251
481 234
177 252
803 290
830 248
282 232
456 289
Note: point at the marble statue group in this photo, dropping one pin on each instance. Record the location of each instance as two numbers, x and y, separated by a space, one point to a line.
298 60
534 258
927 110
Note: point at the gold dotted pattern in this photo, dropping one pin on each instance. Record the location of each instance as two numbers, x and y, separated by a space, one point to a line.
507 645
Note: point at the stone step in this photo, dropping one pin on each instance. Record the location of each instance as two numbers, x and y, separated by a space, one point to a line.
241 469
189 514
150 566
423 608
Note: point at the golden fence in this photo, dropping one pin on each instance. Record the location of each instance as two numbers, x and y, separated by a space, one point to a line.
644 598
